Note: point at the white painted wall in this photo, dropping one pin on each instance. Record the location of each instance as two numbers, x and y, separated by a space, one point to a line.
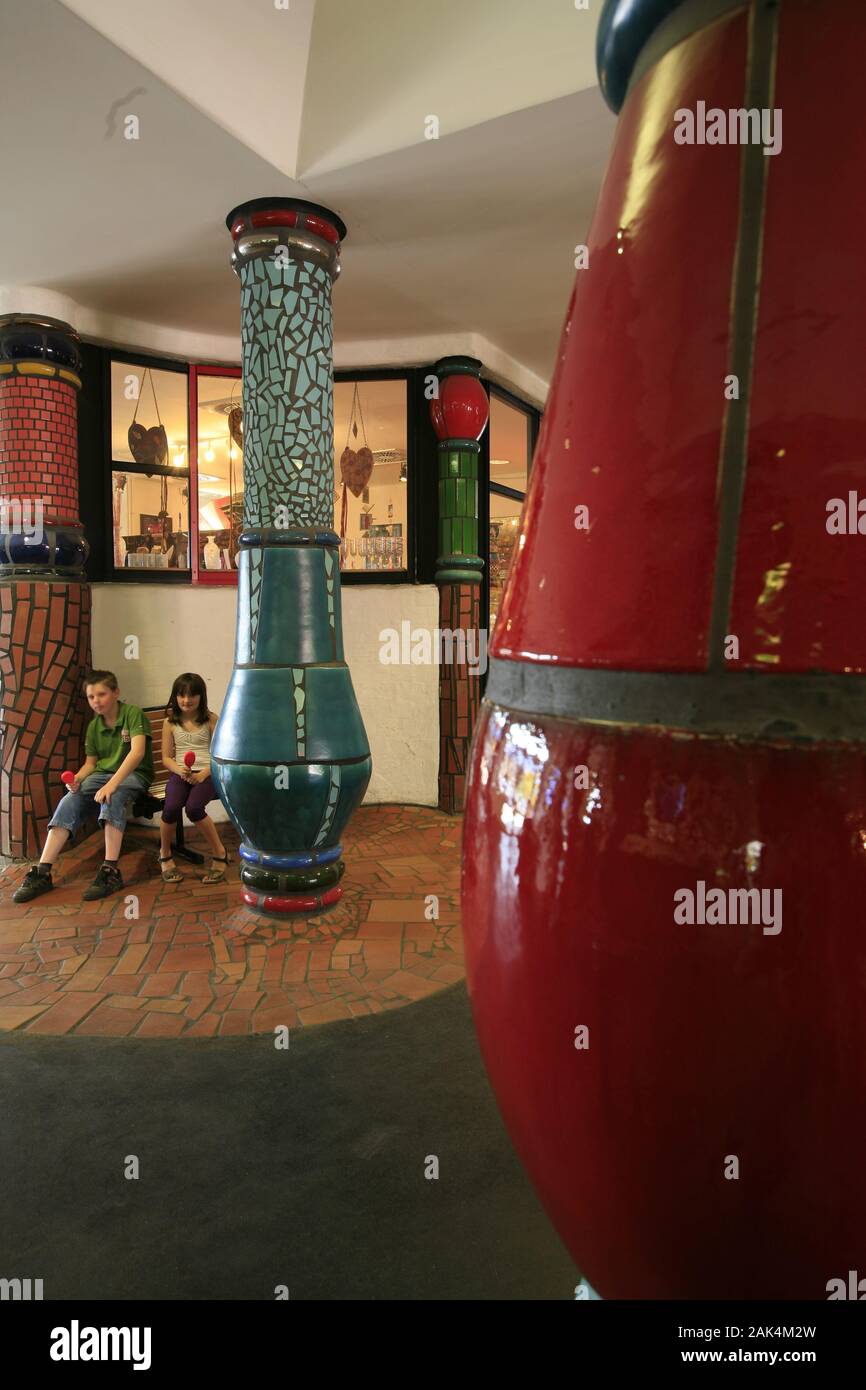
192 629
134 335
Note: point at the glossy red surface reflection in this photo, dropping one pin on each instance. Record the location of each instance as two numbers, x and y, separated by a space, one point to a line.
706 1041
462 408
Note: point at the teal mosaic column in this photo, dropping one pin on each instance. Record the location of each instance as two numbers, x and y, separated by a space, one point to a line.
290 758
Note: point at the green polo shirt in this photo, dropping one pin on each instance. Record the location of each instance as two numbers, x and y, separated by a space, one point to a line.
110 746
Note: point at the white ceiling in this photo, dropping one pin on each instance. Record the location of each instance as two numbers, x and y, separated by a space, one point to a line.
466 238
242 64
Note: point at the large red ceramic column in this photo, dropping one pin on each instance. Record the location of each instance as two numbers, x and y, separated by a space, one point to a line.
44 597
665 839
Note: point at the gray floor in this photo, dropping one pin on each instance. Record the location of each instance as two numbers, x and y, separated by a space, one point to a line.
261 1167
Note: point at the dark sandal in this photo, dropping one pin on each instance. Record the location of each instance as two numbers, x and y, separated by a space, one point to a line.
217 874
170 875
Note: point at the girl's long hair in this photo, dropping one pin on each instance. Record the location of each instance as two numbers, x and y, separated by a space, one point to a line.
187 684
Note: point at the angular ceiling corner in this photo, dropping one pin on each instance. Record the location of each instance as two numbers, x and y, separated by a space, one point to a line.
379 69
242 66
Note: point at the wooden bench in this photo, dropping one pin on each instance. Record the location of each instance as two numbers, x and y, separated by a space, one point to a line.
147 804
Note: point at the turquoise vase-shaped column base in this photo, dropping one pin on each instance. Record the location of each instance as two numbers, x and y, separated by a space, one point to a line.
318 802
290 758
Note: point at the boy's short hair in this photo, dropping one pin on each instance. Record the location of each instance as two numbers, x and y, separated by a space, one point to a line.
102 678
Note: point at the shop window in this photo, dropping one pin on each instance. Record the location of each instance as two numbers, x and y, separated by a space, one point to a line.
150 521
220 469
370 504
149 442
510 452
153 401
176 471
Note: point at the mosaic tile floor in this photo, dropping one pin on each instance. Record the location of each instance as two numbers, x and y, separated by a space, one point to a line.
198 963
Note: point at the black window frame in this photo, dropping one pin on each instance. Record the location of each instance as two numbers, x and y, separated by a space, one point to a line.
407 575
96 466
124 575
533 414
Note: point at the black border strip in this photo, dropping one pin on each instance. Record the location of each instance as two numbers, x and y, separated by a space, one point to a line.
745 297
747 704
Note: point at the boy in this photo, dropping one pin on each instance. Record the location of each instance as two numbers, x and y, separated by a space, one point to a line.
118 766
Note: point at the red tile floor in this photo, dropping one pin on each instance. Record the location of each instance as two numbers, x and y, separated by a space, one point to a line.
197 963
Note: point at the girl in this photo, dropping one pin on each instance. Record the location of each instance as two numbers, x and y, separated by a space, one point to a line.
189 725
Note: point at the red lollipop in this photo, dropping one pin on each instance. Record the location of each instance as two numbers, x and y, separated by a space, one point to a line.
67 778
189 758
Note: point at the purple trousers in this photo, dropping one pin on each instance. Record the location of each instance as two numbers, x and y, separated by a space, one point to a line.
192 797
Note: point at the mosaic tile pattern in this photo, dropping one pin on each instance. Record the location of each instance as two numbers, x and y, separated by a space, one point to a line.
39 444
291 701
458 500
331 807
331 578
287 337
459 696
287 346
44 656
300 697
197 964
44 624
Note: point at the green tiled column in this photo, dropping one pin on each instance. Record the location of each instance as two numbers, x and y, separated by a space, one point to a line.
458 502
290 758
459 414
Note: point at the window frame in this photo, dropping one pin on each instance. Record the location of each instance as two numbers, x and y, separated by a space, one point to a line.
533 417
95 424
406 575
124 575
208 579
216 579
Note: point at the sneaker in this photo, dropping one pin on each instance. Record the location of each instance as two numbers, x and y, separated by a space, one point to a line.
107 880
33 883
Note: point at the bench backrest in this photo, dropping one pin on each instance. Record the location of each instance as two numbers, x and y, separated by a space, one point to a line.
160 771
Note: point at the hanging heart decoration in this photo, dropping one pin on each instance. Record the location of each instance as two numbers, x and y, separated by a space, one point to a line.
236 425
355 469
365 463
148 445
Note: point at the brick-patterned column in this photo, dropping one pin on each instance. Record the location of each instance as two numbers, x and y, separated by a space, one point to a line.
44 598
459 413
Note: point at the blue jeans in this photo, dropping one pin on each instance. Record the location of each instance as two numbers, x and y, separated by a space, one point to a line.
76 807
